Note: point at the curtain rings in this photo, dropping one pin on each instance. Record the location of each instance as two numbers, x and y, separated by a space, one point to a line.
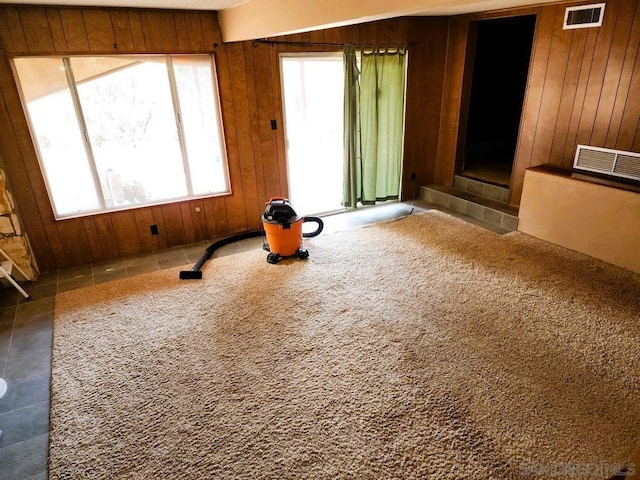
384 49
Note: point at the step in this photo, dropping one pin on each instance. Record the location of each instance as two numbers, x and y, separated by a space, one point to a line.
492 211
482 189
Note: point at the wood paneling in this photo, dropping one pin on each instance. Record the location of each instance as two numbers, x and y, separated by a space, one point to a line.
74 30
122 30
250 93
100 32
12 35
57 31
36 18
583 87
425 76
451 101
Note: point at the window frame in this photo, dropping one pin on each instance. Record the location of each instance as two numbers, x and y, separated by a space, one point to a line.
175 102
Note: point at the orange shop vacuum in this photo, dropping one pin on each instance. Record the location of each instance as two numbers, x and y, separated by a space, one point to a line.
283 230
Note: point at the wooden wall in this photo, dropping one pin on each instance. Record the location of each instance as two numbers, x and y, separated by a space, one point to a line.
583 88
250 96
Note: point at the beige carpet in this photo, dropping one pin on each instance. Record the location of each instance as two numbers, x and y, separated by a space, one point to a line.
420 348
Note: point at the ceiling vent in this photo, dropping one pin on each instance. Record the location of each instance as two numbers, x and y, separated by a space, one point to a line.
608 162
584 16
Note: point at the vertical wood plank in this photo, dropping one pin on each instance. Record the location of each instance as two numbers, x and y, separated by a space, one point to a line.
209 218
451 98
613 71
181 32
97 255
125 232
100 36
173 224
158 219
198 220
569 91
194 32
596 76
107 238
254 90
74 31
5 34
317 36
636 141
581 91
122 30
237 67
235 204
75 242
551 93
144 219
16 33
334 35
629 122
137 35
167 22
545 26
187 222
265 113
211 34
369 33
353 34
220 210
425 78
34 21
57 31
152 31
159 31
624 97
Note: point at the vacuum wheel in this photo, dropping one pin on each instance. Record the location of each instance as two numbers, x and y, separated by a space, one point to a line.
273 258
303 253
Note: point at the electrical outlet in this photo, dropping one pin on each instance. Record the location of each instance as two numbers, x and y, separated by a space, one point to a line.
154 229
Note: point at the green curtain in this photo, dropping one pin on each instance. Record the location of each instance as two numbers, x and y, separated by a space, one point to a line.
374 138
382 86
352 159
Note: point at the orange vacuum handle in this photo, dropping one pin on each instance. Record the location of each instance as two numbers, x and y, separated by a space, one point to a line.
275 198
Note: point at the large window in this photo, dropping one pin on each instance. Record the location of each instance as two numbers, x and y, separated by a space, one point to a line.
116 132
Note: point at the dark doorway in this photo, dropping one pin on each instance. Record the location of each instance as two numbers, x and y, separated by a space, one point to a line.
500 69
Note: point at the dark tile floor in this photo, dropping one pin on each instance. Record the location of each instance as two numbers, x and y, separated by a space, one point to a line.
26 333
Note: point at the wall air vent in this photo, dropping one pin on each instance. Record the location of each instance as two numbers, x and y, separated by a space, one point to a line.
584 16
608 162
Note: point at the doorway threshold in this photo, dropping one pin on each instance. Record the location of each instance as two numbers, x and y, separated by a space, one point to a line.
497 177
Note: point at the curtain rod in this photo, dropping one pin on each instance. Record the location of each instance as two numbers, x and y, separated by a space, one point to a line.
326 44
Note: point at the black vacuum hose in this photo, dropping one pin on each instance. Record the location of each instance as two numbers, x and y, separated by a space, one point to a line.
317 231
195 273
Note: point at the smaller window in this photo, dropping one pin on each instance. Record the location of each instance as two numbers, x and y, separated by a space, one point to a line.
117 132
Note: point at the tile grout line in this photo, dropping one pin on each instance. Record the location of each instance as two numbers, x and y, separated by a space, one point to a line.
6 360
